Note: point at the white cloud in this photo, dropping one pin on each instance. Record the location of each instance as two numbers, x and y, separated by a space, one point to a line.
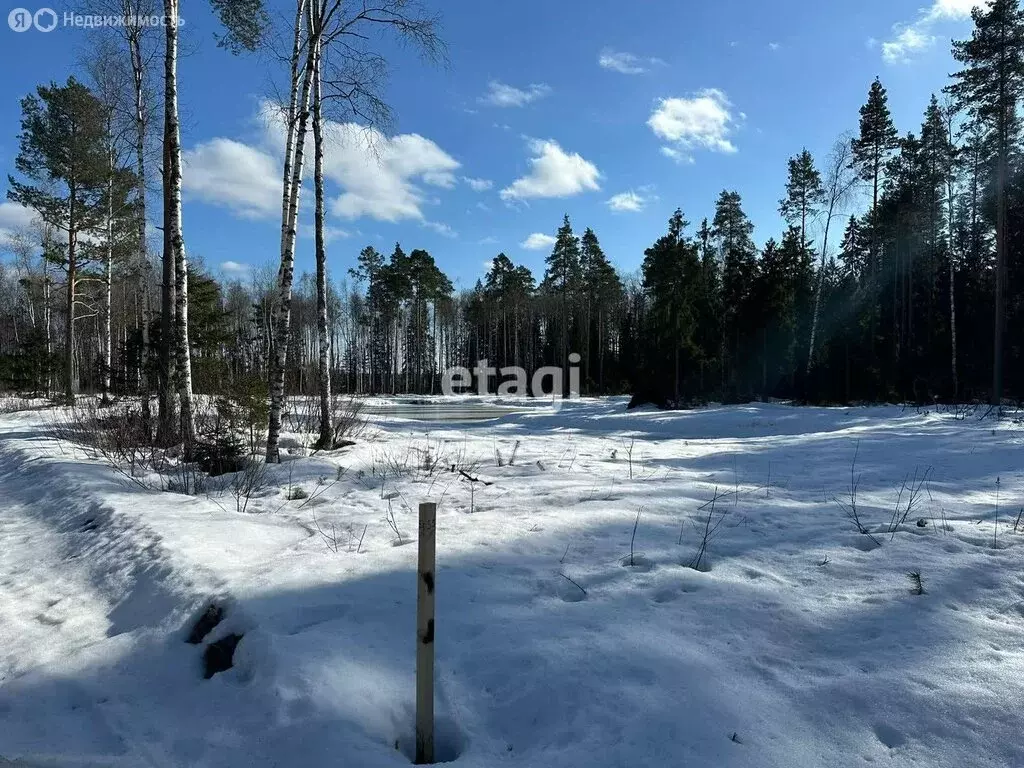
502 95
538 241
954 9
235 269
626 63
244 179
478 185
335 233
441 228
380 179
627 202
774 46
701 121
330 233
553 173
380 176
915 37
909 41
677 156
13 218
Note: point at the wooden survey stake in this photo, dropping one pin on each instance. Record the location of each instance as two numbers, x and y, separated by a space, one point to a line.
425 636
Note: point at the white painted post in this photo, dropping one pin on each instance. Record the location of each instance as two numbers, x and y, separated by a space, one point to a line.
425 636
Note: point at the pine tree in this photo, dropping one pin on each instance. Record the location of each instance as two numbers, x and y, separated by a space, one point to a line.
63 148
876 141
989 89
804 192
370 262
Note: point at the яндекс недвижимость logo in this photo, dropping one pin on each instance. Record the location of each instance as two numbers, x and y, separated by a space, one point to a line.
47 20
22 19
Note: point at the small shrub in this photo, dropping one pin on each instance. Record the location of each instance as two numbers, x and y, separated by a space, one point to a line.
220 449
120 437
253 479
348 421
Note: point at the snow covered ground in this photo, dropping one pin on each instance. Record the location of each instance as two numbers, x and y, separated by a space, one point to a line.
797 641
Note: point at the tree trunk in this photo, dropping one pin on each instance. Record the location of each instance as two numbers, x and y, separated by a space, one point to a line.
997 336
139 94
950 195
144 372
172 183
326 427
69 323
108 338
290 208
818 291
46 316
167 412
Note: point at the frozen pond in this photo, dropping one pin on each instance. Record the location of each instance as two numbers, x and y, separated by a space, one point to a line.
447 410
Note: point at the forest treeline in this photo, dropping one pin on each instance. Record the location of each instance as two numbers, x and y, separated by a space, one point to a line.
913 296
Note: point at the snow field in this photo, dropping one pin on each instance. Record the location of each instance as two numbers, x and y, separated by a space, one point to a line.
799 643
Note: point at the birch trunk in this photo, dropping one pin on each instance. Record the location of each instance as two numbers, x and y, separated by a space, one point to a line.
290 208
840 182
172 182
817 295
108 340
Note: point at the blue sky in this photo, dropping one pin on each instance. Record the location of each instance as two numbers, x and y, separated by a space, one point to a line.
615 113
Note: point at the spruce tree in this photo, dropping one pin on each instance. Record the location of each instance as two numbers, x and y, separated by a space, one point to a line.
854 253
709 304
671 278
602 290
732 231
562 279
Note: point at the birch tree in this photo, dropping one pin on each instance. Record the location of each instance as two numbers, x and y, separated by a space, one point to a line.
244 22
330 39
174 241
840 181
